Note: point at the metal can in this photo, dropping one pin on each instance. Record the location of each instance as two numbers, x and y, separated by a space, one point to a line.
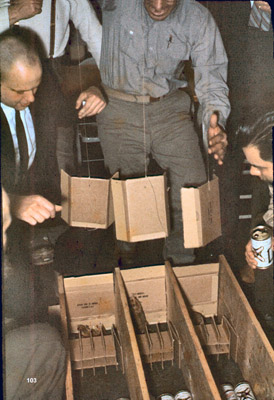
261 241
165 396
228 391
183 395
244 392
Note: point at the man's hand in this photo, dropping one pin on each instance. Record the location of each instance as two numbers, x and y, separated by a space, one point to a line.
24 9
264 6
249 256
94 102
33 209
217 139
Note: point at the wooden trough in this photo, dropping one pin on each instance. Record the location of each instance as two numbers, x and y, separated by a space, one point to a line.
168 296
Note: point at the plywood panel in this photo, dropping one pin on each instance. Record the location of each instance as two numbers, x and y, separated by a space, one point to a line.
194 366
140 208
255 355
133 365
201 214
90 300
148 286
68 383
86 202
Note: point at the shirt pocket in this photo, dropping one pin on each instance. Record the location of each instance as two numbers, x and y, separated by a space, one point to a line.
131 39
175 49
171 52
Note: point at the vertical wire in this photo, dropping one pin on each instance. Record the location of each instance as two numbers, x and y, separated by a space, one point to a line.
143 87
144 125
81 89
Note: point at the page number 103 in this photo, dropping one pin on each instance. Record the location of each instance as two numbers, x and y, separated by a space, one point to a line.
31 380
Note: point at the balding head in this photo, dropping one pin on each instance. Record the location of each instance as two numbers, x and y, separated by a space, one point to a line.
16 45
20 69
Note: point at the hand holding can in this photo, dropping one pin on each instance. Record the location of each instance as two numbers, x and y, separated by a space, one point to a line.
261 241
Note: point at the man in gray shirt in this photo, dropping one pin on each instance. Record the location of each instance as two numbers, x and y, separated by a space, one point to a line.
144 46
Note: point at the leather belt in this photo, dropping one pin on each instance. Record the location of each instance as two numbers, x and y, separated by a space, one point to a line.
132 97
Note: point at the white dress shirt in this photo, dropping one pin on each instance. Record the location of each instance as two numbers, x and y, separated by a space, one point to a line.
80 12
29 129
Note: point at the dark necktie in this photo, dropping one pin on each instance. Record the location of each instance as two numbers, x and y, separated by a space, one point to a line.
22 143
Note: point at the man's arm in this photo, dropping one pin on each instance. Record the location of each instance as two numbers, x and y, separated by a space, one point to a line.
20 9
32 209
85 20
92 102
209 62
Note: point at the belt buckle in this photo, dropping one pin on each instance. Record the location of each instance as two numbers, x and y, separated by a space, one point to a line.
154 99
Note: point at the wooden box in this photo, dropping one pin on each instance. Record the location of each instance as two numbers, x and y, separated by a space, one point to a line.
171 295
201 214
86 202
140 208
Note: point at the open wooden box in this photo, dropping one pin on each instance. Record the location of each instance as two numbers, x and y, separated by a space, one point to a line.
201 214
86 202
140 208
168 295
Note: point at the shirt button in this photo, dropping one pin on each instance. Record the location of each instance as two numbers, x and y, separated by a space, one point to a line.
131 32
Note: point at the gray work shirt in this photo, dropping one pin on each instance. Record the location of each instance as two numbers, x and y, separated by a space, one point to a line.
145 57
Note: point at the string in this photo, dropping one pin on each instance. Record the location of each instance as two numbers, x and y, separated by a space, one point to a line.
156 206
81 90
144 127
84 124
143 91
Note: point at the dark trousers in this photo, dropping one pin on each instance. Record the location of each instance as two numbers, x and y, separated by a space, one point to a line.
171 140
54 119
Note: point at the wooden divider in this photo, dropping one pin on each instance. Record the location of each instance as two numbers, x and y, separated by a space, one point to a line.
255 355
251 349
195 369
133 365
64 323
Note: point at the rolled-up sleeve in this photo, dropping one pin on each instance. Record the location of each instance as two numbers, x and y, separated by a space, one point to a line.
4 18
209 62
85 20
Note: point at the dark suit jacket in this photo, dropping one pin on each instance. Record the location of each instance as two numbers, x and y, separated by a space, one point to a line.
26 183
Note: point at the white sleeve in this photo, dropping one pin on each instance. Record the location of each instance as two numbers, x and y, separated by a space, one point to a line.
4 18
85 20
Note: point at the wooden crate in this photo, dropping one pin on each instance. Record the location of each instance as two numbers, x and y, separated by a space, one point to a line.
170 295
86 202
140 208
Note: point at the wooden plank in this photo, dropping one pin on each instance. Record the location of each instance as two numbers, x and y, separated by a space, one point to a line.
201 214
100 354
200 285
140 208
120 209
66 200
68 383
195 369
90 300
148 286
133 365
157 351
86 202
255 355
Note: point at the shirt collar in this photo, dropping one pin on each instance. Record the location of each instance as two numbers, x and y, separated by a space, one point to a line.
9 111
